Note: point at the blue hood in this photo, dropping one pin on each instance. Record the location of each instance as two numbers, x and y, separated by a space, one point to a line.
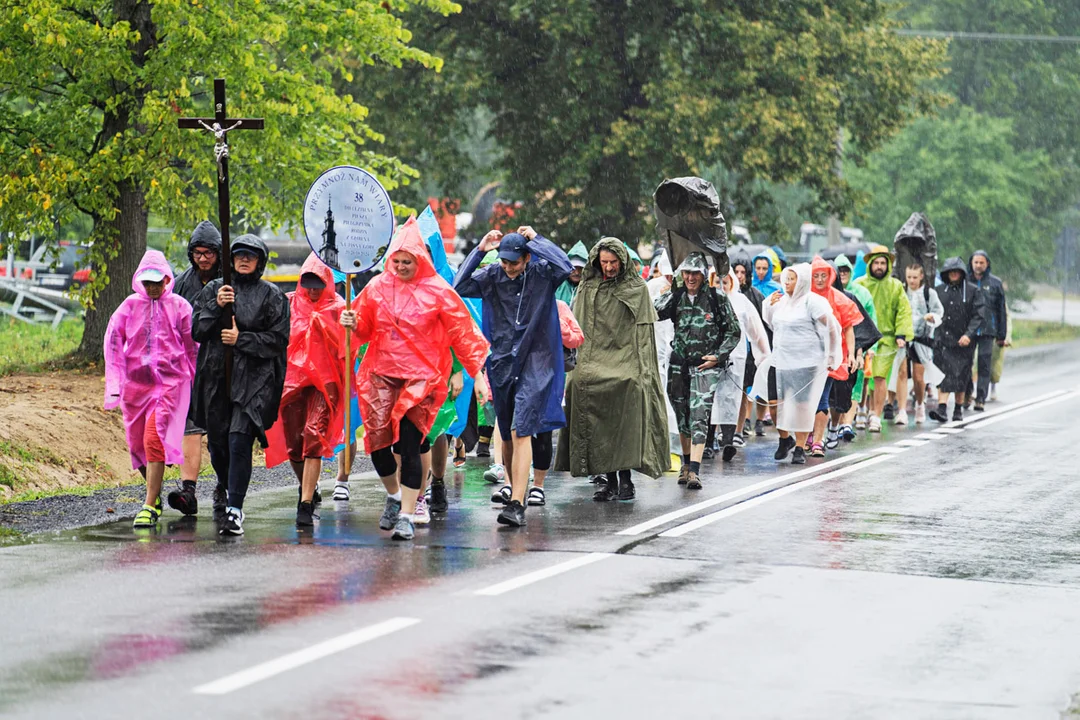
767 286
429 230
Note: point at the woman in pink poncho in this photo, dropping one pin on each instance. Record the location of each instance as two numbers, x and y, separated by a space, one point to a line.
149 365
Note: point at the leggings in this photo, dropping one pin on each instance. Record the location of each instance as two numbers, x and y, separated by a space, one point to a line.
408 447
541 451
230 457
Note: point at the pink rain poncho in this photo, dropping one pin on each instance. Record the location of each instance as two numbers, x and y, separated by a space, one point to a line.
410 327
807 344
150 363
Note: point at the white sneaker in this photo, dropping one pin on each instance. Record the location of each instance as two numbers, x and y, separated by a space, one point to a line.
420 514
993 392
496 474
860 420
920 413
874 425
341 491
901 417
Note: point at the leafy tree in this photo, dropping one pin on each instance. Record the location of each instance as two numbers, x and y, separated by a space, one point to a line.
979 191
90 92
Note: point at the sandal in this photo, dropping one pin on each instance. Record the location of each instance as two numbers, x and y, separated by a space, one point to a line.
147 517
817 450
502 495
536 496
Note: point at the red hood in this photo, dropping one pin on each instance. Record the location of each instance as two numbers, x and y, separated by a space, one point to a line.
302 307
408 239
820 263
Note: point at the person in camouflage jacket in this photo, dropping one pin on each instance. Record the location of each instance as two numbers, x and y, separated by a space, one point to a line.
706 331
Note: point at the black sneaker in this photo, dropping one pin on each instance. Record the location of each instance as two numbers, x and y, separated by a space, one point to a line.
798 457
305 514
957 414
390 514
483 450
513 514
606 492
627 493
941 414
234 522
438 502
184 499
759 428
729 452
980 406
221 500
785 447
889 412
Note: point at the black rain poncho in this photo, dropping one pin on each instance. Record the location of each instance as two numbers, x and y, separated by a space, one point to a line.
688 219
259 356
964 313
188 284
915 242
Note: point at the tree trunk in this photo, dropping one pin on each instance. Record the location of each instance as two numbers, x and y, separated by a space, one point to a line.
127 233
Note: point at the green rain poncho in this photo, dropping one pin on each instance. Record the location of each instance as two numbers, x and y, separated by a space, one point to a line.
615 412
567 291
892 311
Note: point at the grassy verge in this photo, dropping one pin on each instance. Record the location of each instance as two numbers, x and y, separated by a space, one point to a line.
27 348
1027 333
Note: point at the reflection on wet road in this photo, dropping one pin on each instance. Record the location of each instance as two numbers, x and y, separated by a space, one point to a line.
923 573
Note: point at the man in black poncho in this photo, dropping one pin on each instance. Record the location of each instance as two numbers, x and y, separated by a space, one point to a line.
204 253
954 353
259 337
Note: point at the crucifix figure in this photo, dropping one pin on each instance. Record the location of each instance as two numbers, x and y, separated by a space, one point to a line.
220 125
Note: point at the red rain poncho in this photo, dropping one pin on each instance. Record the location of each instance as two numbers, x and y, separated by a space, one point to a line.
410 328
150 363
316 361
844 310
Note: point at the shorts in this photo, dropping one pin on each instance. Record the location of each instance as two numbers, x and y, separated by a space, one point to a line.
306 422
773 394
152 445
826 394
192 429
840 396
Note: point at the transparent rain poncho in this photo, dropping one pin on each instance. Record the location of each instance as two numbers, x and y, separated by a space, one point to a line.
150 362
806 346
729 391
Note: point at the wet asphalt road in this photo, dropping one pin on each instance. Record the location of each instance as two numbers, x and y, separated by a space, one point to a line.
934 578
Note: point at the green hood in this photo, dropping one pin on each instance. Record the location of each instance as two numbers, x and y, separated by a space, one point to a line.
627 286
842 262
579 251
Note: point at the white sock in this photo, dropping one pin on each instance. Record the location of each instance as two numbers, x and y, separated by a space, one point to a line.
395 496
410 516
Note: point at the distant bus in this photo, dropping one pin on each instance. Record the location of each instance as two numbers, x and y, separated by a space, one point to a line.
815 238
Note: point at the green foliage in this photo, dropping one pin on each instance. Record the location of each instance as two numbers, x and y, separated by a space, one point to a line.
26 348
978 190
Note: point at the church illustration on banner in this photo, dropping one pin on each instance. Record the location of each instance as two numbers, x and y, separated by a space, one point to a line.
329 250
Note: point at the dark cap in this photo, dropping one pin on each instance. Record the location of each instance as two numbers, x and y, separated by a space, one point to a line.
311 281
512 247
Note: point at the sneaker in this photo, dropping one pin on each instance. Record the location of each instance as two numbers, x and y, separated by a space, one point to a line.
860 420
874 425
483 450
957 414
980 406
759 428
513 514
341 492
693 482
390 514
536 496
495 474
147 517
234 522
627 493
606 492
817 450
220 502
708 454
684 473
798 457
846 432
305 514
941 414
920 413
768 420
420 514
901 418
785 446
729 452
184 499
738 440
437 502
746 427
889 412
403 529
502 495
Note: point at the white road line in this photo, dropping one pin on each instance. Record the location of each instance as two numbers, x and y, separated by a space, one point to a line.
713 502
949 430
990 421
533 577
893 450
928 436
911 443
787 490
294 660
979 417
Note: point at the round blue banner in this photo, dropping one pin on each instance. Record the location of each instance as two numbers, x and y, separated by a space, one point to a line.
348 219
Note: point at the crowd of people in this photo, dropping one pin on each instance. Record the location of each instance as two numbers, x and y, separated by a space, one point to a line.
532 357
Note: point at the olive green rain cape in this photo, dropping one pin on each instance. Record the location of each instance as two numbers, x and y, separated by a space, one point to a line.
615 413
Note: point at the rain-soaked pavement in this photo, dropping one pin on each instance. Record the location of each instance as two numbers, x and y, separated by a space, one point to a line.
919 574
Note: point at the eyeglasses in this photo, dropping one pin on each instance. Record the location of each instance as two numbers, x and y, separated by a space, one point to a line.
245 255
203 253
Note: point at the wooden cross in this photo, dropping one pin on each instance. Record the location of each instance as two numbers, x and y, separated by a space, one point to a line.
221 125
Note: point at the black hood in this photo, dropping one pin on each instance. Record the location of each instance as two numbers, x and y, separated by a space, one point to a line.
915 242
205 235
953 263
989 267
256 245
742 261
688 219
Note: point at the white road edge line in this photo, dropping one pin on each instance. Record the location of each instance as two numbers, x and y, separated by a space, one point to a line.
712 502
979 417
893 450
990 421
537 576
294 660
754 502
911 442
928 436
